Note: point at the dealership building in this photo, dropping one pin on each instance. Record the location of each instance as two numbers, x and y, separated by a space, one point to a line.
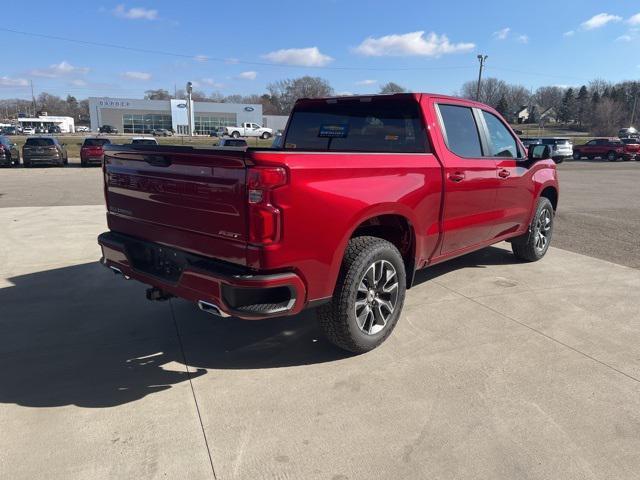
142 116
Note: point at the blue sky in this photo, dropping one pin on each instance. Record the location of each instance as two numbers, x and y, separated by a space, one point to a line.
356 45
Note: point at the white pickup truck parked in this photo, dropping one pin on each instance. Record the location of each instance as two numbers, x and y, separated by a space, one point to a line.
246 130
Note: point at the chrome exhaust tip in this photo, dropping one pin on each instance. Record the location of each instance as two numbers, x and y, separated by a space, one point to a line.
117 271
211 308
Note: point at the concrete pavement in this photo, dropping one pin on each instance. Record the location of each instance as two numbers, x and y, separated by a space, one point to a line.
496 369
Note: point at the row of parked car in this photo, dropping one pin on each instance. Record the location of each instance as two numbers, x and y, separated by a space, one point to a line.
611 149
48 150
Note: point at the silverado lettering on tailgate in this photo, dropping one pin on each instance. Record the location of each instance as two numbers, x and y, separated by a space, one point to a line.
159 185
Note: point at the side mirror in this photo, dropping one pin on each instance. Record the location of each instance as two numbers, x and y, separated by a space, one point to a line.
539 152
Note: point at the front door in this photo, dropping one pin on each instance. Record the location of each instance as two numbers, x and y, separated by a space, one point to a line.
514 196
470 180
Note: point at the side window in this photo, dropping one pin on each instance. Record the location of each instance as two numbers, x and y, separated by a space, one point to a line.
501 142
591 142
461 131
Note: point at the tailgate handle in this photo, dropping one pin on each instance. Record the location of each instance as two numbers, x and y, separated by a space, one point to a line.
157 160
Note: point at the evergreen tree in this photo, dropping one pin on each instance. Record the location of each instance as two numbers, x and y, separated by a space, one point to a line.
567 110
503 107
583 99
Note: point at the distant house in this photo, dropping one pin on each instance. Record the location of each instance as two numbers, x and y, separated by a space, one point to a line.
532 114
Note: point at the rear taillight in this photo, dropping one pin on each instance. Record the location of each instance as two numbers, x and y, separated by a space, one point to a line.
265 218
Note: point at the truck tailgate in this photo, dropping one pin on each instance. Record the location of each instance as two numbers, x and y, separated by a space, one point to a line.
189 199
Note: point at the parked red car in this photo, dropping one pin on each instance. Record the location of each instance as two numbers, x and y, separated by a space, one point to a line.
631 148
92 151
606 148
363 192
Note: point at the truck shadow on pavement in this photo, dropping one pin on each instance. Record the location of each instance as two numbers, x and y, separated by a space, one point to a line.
480 259
81 336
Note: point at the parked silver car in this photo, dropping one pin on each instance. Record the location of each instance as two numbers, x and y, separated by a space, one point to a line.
561 148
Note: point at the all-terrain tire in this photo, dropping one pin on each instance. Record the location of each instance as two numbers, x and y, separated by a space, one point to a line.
528 247
337 319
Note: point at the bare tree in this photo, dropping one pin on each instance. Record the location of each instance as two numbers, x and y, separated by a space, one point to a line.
159 94
391 87
549 97
607 117
284 93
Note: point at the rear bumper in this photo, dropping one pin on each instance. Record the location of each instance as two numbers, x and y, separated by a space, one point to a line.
48 159
234 290
91 160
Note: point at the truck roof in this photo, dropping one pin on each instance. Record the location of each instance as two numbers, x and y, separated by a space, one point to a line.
416 95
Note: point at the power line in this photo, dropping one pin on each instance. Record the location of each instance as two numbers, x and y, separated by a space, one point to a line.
223 60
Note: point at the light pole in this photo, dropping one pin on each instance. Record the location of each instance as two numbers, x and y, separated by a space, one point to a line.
189 90
481 59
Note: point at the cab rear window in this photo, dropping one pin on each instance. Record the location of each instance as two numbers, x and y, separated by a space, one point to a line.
367 124
96 142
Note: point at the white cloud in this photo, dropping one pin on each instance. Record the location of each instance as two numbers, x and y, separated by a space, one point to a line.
210 82
250 75
135 13
413 43
231 61
306 57
523 38
599 20
367 82
570 33
144 76
344 94
58 70
13 82
501 34
201 58
631 35
78 82
634 19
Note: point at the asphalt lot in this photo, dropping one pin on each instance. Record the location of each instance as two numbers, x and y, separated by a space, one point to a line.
497 369
599 213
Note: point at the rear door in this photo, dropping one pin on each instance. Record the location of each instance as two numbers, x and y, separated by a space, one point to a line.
470 181
186 198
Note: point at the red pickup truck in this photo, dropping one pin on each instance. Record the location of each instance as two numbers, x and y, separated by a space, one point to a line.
363 192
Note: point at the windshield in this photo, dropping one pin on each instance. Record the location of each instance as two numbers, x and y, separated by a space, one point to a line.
39 142
144 141
361 124
629 141
555 141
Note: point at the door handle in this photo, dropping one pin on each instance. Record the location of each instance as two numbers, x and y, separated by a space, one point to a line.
504 173
456 176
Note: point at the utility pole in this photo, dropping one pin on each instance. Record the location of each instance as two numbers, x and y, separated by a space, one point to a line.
633 112
189 90
481 59
33 99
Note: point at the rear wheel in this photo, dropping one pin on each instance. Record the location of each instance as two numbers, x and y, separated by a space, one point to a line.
265 136
368 297
576 156
612 156
235 134
533 246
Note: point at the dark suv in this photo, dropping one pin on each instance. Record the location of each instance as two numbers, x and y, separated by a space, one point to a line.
44 150
9 153
108 129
